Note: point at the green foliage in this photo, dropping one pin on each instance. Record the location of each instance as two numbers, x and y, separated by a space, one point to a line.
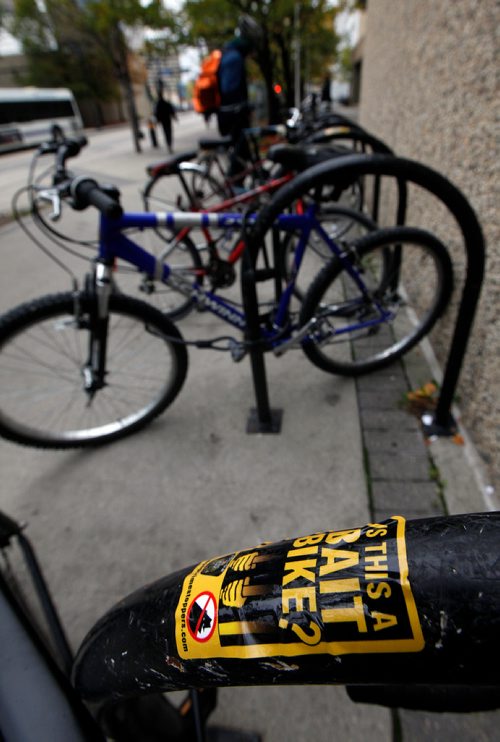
80 45
102 16
211 22
352 5
58 51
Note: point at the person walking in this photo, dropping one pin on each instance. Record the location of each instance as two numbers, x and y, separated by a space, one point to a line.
164 113
326 95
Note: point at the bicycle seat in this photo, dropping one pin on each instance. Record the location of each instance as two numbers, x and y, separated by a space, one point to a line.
297 158
392 602
170 166
219 143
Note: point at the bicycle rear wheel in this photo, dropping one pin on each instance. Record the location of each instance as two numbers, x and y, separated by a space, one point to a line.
407 281
161 193
44 348
208 189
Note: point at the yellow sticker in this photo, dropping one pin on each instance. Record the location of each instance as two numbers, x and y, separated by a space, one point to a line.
335 592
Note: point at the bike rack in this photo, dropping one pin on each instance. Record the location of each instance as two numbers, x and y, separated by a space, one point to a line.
404 171
262 419
358 135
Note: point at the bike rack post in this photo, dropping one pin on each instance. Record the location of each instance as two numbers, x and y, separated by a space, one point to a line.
262 419
406 171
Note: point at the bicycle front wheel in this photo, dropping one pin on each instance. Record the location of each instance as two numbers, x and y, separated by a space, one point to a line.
400 284
44 348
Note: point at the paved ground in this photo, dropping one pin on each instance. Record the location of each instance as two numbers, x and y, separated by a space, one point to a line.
194 484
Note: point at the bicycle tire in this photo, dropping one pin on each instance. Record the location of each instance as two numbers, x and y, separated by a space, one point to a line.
344 224
207 189
42 356
388 281
158 196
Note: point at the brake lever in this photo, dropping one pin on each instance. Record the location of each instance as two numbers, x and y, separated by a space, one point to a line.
53 196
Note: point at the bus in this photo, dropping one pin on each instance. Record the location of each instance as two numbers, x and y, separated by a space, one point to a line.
29 116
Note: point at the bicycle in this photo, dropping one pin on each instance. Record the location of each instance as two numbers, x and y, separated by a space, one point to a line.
185 249
210 185
127 362
324 608
210 182
205 182
219 156
343 222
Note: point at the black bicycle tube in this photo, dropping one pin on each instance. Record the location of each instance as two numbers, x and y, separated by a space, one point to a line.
397 602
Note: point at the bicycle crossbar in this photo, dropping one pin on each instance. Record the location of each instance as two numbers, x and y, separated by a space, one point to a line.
176 220
179 220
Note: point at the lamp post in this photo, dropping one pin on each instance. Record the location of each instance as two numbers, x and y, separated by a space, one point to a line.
297 53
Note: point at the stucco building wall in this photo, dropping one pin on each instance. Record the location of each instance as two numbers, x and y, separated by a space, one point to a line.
430 89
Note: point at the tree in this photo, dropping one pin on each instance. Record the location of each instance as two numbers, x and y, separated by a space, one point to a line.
213 22
83 45
57 52
106 21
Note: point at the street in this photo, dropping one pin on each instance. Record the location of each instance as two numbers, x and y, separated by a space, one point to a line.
193 484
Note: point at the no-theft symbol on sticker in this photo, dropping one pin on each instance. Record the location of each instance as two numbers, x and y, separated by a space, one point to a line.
201 619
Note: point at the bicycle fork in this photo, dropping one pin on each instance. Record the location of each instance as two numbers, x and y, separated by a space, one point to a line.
94 370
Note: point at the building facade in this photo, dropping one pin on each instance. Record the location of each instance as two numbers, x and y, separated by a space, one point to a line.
430 89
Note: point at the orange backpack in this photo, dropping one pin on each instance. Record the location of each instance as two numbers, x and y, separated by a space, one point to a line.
206 96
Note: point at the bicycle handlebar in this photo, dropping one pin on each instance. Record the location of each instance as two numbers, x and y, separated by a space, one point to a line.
87 192
72 146
397 602
84 191
66 149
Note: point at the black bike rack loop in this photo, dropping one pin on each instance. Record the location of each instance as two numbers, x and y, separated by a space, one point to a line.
404 171
358 135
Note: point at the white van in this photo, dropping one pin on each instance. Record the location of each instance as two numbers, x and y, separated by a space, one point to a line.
29 116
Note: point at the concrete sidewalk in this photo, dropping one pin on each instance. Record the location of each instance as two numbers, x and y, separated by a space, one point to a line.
195 484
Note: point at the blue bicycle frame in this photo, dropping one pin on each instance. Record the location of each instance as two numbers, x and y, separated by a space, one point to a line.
114 244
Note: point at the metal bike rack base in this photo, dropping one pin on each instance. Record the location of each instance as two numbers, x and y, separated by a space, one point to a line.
255 424
432 428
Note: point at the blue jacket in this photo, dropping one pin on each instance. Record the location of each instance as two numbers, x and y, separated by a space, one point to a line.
232 74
